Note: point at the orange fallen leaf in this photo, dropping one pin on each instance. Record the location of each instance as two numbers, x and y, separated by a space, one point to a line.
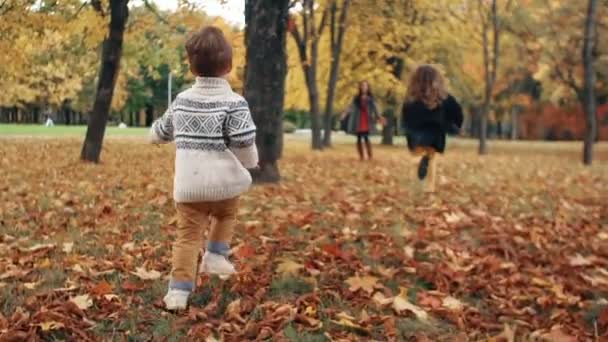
102 288
366 283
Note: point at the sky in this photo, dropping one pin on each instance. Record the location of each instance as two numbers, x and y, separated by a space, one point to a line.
232 11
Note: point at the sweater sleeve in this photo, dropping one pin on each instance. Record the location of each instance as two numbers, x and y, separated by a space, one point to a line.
404 117
240 135
162 129
454 112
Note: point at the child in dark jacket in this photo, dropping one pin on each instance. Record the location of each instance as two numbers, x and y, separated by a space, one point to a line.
428 114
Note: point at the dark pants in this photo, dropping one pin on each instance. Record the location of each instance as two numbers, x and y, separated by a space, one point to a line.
361 137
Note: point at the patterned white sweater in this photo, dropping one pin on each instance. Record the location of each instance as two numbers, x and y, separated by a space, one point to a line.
215 139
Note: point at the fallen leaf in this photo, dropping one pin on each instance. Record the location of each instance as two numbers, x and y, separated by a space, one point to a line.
507 335
102 288
129 286
37 247
558 335
428 300
289 267
83 302
50 325
245 252
452 303
31 286
365 283
579 261
401 304
67 247
110 297
129 246
381 300
144 274
453 218
233 311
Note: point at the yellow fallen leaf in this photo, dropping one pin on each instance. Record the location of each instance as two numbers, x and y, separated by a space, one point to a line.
364 316
366 283
381 300
452 303
579 261
453 218
83 302
51 325
508 335
31 286
144 274
401 304
289 267
233 311
110 297
67 247
37 247
44 263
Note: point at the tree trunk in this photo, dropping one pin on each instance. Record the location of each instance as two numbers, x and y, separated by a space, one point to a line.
266 68
336 51
490 68
589 100
309 59
514 123
388 130
110 64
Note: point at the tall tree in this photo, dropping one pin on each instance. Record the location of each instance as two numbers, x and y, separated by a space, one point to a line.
336 40
266 68
489 22
308 50
110 64
589 99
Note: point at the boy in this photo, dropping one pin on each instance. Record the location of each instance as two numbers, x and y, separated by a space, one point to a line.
215 139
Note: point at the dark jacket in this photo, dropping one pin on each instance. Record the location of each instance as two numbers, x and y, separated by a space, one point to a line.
427 128
354 113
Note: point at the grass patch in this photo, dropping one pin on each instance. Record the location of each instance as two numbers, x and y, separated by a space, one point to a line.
407 328
289 286
295 336
61 130
10 299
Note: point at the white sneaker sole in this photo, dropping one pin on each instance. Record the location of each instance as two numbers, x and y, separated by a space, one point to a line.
223 275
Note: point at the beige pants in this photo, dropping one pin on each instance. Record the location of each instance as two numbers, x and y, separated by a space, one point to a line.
193 220
431 178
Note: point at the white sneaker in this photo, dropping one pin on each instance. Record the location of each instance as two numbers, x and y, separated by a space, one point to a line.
176 299
217 264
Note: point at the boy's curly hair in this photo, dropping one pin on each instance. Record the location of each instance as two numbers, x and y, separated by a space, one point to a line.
427 85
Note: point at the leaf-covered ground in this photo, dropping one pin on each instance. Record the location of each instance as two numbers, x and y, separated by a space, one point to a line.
513 247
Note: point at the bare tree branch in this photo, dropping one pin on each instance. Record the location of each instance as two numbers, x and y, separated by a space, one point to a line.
154 11
301 44
322 23
98 7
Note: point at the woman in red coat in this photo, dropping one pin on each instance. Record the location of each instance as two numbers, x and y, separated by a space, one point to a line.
360 118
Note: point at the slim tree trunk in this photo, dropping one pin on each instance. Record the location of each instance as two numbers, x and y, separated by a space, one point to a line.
589 100
266 68
110 64
490 68
309 58
514 123
336 51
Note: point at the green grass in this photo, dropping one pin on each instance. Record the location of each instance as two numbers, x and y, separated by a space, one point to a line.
60 130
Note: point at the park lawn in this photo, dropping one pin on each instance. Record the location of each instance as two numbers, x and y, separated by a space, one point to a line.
513 243
62 130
